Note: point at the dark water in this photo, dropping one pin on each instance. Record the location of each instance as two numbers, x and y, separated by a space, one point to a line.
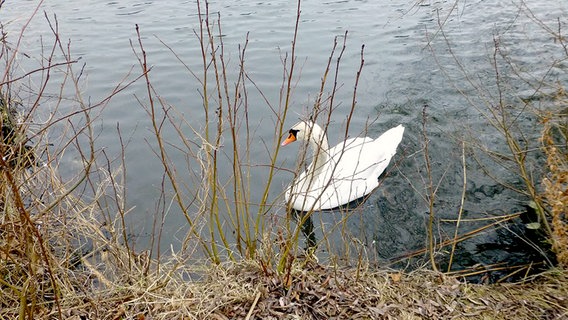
412 67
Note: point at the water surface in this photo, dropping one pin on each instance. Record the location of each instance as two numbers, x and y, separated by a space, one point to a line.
410 63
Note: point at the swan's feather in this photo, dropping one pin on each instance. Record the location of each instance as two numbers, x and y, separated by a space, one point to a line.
351 172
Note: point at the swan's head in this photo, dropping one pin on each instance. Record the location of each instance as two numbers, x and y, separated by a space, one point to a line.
304 131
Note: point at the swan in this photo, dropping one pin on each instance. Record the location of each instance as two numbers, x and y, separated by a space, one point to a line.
342 174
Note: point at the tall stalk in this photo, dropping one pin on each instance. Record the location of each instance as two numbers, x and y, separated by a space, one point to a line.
460 210
264 205
431 195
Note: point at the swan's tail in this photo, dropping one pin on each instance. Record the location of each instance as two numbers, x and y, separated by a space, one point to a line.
386 146
392 138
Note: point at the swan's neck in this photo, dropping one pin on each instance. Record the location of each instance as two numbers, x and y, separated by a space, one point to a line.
320 152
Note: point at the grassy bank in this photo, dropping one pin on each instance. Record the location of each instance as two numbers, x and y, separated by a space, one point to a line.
245 291
65 248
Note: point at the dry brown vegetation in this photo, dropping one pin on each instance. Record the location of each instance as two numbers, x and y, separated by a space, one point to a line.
65 252
555 139
244 291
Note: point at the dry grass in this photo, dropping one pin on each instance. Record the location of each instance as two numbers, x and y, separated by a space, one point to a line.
555 140
544 186
244 291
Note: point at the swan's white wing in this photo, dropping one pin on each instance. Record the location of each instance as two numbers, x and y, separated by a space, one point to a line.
356 166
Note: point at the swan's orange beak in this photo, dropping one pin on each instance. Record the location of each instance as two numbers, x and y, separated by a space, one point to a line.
291 138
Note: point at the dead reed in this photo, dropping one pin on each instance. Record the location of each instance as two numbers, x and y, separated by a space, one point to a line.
555 145
502 108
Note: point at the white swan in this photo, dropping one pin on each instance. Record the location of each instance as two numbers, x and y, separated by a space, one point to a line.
342 174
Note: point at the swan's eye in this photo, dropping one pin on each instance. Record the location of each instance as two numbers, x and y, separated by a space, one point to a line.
294 132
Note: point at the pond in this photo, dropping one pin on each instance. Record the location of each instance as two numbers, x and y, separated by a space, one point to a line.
426 64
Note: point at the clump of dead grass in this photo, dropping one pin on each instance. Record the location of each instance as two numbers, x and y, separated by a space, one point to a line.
555 139
27 277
